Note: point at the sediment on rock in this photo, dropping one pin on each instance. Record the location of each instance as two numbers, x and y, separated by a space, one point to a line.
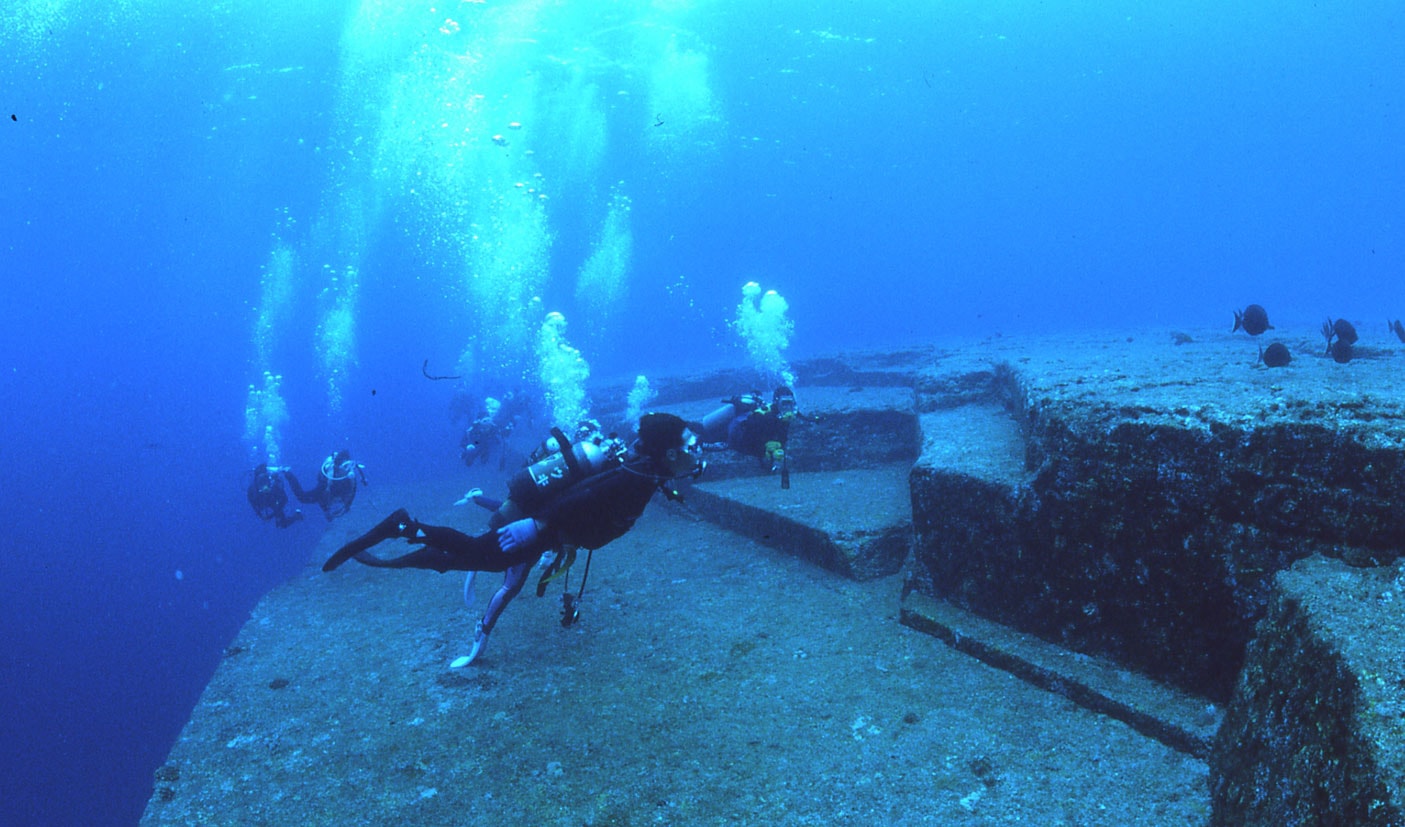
1149 526
1316 731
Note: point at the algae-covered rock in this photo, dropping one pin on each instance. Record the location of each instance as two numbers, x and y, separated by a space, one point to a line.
1164 485
1316 731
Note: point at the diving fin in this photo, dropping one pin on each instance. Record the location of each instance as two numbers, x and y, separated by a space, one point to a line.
480 639
389 528
468 588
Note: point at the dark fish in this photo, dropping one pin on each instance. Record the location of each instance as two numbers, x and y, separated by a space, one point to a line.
1275 355
1341 351
1343 331
1254 320
1398 329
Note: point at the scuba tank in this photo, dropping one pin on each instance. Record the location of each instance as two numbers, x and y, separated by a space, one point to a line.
715 424
336 471
545 478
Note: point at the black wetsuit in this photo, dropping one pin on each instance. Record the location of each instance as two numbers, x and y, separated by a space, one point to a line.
481 439
269 500
589 514
749 433
745 425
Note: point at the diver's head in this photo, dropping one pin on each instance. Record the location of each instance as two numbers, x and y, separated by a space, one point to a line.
587 430
263 480
666 440
783 401
338 466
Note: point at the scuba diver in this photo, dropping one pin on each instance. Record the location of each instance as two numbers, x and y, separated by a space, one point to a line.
542 476
751 427
488 432
336 484
583 496
269 498
482 438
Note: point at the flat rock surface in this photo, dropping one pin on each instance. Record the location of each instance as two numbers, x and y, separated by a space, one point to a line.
1178 719
980 440
1209 377
857 501
818 400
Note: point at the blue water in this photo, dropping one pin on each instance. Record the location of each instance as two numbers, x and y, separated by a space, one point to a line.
899 172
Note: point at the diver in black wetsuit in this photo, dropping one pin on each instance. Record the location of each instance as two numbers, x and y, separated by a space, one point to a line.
483 437
751 427
593 507
336 484
268 497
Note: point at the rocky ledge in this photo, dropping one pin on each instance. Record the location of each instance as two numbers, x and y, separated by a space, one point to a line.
1316 733
1134 498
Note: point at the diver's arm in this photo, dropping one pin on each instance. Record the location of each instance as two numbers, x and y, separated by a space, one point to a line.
303 495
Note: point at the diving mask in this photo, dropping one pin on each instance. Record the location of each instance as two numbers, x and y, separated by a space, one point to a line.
685 459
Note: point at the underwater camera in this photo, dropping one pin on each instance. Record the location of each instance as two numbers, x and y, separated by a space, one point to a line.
570 610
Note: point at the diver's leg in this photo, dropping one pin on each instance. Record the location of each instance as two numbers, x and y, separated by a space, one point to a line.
396 525
303 495
512 583
439 535
507 512
444 550
425 557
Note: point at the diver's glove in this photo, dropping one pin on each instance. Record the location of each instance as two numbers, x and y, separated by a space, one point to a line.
518 533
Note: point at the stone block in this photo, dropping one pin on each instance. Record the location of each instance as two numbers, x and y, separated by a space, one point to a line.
1165 486
857 523
1177 719
1316 731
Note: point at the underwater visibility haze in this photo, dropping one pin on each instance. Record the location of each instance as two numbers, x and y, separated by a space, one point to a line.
234 232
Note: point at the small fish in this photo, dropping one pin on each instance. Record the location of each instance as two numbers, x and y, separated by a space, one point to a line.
1275 355
1253 319
1340 351
1398 329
